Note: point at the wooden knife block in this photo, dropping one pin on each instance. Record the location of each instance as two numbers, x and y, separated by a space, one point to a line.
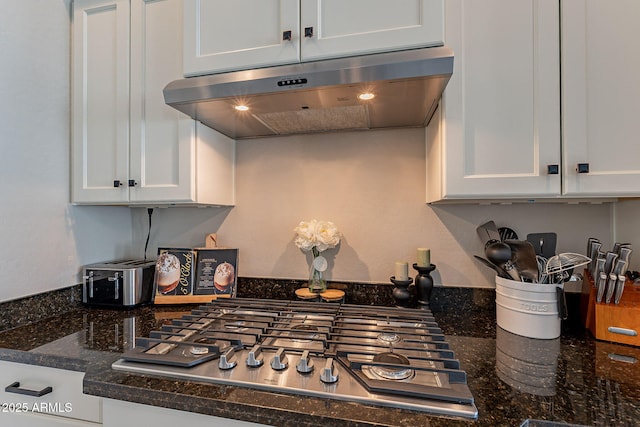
599 317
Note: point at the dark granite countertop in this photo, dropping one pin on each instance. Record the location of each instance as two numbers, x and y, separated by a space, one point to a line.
574 379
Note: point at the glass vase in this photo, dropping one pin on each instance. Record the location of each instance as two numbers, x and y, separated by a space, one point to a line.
317 283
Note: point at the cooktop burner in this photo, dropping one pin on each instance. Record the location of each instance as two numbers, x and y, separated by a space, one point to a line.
380 356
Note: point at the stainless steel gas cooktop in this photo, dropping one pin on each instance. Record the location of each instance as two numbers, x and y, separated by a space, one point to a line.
374 355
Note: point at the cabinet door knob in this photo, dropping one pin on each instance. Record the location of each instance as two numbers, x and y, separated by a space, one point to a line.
553 169
308 32
286 35
132 183
583 168
117 183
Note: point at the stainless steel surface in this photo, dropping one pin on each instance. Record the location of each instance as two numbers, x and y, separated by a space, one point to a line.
334 351
619 288
602 286
120 283
319 96
611 287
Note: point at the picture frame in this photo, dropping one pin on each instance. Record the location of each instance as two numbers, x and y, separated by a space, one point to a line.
200 275
216 272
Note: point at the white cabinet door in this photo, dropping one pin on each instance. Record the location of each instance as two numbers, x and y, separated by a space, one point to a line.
343 28
118 413
162 140
125 131
40 420
601 97
498 125
61 401
100 129
223 35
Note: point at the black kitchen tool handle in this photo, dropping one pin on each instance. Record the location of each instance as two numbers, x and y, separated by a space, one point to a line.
15 388
562 303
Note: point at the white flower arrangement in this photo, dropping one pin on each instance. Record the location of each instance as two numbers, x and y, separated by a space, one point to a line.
317 236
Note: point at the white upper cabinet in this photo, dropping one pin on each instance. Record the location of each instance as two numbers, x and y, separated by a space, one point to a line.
343 28
100 141
123 131
222 36
601 97
498 125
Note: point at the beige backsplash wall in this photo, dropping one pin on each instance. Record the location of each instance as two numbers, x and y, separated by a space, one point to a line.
372 185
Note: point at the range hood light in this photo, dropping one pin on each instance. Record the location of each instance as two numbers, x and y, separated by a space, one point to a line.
241 108
366 96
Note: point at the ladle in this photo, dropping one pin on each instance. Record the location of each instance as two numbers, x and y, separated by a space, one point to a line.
499 253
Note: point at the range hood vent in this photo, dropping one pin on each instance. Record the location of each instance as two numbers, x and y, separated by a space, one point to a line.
319 96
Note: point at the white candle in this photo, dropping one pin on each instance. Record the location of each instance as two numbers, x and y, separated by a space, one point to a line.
424 257
402 270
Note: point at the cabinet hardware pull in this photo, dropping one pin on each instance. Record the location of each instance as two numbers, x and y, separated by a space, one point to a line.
15 388
286 35
622 331
117 183
553 169
132 183
583 168
308 32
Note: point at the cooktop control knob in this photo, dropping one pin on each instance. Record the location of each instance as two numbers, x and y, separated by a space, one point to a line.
279 360
254 359
227 359
329 373
305 364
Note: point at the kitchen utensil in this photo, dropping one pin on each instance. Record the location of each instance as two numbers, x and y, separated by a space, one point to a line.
524 257
499 253
611 287
625 255
507 233
488 233
542 265
563 262
610 259
602 285
619 288
594 255
543 243
499 270
590 242
599 266
562 303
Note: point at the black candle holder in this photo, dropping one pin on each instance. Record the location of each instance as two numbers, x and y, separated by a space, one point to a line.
424 284
401 291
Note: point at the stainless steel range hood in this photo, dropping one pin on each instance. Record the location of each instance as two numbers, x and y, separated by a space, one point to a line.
320 96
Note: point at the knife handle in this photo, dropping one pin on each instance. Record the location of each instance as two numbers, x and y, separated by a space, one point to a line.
602 283
619 288
611 287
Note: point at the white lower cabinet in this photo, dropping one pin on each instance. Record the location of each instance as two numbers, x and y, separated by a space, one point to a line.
118 413
61 403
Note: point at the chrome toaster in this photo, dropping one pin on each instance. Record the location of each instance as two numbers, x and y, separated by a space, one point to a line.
118 284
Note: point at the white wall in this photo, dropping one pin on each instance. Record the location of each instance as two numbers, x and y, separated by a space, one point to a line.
627 228
372 186
44 241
